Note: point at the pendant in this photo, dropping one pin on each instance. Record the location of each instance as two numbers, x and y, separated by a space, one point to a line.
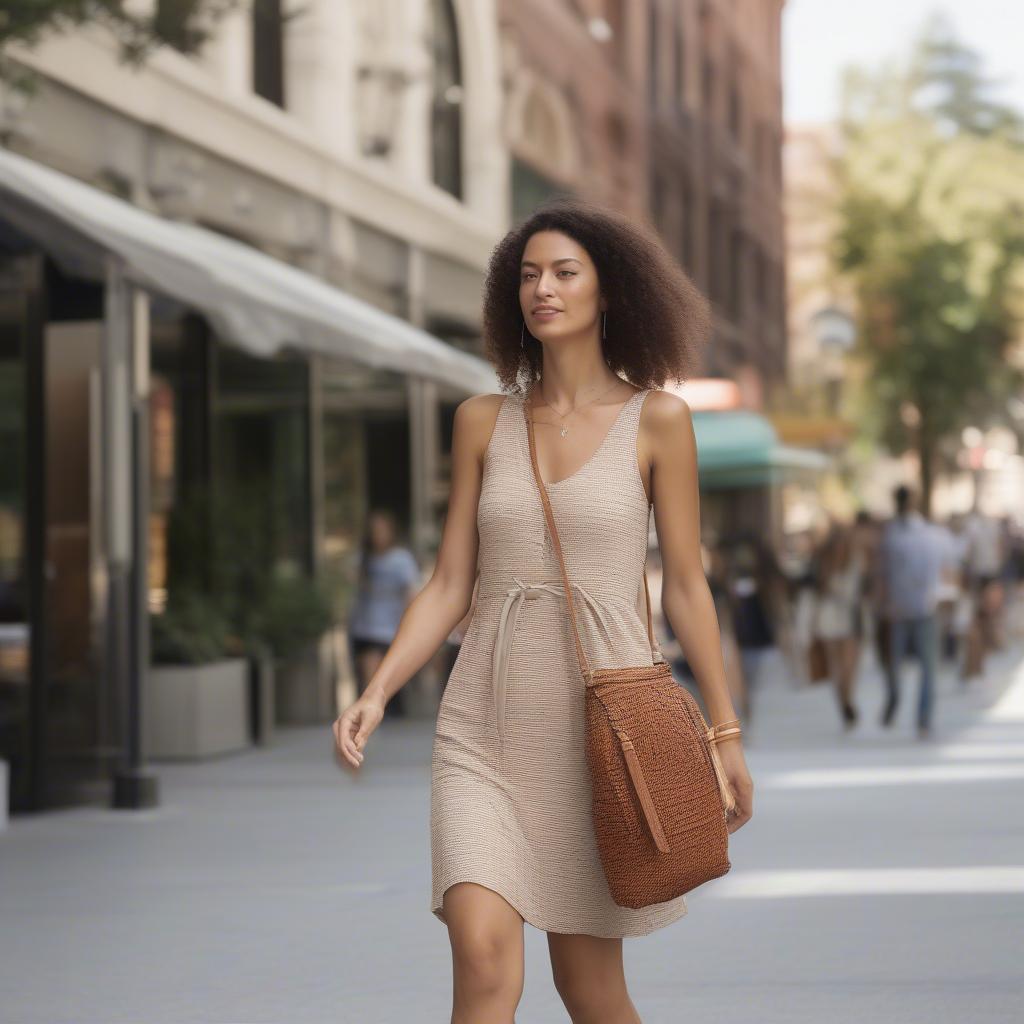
564 431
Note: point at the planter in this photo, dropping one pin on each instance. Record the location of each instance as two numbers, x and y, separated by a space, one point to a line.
305 685
262 700
194 711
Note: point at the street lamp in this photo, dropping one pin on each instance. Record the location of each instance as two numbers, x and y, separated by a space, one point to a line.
835 332
380 93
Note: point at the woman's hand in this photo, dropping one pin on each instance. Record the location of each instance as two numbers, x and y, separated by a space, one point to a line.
735 765
353 728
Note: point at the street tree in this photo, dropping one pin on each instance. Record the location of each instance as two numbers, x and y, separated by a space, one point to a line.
931 236
139 28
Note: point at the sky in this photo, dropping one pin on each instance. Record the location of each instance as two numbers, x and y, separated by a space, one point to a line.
821 36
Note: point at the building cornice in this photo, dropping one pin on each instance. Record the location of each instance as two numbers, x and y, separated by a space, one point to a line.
172 93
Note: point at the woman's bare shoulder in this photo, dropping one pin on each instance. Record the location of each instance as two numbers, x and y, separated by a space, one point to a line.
666 410
475 419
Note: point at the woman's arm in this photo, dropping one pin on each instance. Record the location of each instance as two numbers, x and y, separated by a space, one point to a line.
685 595
671 452
444 601
435 611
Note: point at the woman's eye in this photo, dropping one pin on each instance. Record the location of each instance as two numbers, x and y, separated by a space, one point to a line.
527 276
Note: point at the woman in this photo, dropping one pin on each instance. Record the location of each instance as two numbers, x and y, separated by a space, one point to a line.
840 581
388 575
575 298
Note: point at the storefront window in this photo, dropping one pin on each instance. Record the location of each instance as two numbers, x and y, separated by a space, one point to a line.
366 463
261 442
14 619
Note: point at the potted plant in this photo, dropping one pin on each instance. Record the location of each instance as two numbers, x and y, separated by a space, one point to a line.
198 699
271 615
296 617
198 689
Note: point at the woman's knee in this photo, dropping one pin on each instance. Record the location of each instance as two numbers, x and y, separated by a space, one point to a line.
486 936
487 963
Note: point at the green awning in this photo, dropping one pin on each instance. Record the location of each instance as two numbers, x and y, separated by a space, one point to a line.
739 448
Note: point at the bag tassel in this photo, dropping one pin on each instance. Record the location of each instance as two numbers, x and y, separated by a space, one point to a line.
728 799
640 785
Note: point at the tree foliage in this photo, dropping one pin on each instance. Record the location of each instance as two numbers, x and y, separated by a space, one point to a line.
183 24
931 175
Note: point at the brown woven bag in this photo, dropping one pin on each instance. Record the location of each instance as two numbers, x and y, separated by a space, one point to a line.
659 793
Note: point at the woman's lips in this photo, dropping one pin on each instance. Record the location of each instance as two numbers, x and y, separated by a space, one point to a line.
545 314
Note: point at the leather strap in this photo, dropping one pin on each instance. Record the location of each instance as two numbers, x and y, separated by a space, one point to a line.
557 544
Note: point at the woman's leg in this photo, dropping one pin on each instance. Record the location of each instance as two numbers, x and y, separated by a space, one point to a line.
835 655
851 660
589 976
486 935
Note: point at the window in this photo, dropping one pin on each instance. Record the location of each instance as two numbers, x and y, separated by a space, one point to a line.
735 273
658 202
708 87
652 56
446 114
687 231
735 111
716 229
530 188
268 50
679 64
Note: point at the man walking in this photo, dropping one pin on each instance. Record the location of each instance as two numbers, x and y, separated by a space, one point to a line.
913 556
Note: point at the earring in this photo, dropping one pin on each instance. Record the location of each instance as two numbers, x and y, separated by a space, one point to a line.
604 323
522 336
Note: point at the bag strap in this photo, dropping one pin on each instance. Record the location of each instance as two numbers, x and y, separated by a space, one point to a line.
557 544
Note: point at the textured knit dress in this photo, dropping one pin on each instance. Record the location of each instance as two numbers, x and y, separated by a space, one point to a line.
510 790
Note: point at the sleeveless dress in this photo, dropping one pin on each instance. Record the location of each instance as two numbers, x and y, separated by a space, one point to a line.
510 789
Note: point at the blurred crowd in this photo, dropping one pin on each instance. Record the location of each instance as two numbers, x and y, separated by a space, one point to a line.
865 590
832 602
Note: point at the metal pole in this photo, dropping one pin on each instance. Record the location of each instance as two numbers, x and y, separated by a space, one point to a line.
125 412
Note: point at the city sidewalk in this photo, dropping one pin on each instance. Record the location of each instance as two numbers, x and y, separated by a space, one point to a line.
274 887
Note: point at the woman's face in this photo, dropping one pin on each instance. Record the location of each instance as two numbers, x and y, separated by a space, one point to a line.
559 293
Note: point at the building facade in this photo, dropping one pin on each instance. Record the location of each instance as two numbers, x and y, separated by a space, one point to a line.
355 145
669 110
377 149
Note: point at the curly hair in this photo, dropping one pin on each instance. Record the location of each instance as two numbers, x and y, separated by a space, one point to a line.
658 321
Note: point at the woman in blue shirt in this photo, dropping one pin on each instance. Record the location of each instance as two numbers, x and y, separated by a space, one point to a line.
388 575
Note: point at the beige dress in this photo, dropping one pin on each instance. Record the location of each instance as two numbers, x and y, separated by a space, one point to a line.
510 792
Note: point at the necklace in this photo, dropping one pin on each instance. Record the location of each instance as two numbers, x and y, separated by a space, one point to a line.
564 429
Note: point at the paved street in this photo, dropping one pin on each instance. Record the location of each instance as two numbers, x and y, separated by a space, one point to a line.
881 880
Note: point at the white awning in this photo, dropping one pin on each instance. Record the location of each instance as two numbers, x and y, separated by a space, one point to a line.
252 300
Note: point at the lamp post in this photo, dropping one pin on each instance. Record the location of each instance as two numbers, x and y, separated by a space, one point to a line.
835 333
380 90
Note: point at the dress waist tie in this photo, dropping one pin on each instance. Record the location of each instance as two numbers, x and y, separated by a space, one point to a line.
507 620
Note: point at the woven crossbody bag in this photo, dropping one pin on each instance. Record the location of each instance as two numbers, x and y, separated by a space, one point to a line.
659 792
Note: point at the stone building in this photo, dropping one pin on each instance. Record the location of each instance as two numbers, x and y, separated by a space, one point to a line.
367 154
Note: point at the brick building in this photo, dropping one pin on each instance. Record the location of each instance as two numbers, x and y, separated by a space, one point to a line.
670 109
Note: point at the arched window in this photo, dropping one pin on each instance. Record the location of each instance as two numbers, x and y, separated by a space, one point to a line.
446 110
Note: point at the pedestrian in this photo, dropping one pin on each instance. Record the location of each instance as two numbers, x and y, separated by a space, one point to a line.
755 589
956 597
387 580
586 316
913 556
839 585
984 565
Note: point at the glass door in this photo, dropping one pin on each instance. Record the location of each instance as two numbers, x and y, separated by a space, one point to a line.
78 705
16 274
